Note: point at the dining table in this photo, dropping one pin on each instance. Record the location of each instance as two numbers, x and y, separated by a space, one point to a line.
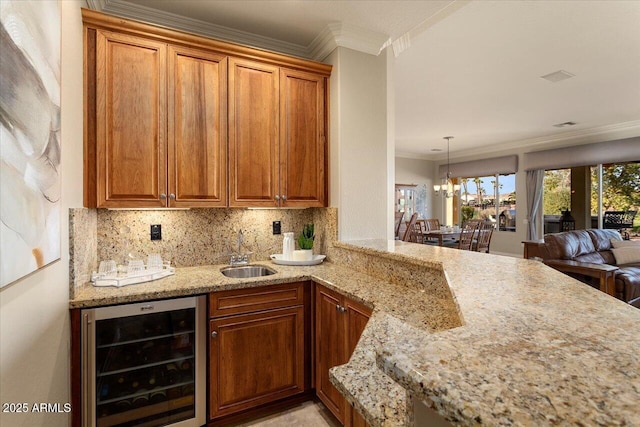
442 235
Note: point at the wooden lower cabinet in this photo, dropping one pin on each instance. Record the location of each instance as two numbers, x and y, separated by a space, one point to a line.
339 324
261 343
330 348
259 356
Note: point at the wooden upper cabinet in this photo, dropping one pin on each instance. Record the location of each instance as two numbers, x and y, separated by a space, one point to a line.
302 139
130 121
253 133
172 119
277 136
197 128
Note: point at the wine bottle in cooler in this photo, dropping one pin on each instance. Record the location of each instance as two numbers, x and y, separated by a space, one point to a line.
172 374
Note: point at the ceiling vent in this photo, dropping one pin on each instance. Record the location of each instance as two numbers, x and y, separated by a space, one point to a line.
565 124
558 76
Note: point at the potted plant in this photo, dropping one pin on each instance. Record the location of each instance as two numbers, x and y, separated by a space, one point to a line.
305 243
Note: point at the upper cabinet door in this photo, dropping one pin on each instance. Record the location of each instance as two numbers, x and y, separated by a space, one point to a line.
302 139
197 128
253 134
131 121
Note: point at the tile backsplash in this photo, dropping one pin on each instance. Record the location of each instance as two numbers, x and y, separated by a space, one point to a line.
190 237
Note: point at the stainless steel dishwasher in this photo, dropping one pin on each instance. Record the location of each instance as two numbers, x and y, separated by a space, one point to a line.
144 363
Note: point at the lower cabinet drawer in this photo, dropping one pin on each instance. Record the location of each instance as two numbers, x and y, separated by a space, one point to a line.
255 359
239 301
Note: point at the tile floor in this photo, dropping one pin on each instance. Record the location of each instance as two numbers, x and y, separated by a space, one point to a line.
306 414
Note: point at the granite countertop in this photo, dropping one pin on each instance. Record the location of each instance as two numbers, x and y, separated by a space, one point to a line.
536 347
379 398
482 339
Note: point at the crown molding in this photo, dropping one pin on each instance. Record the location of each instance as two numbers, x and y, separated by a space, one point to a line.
323 44
417 156
96 4
349 36
170 20
333 36
559 140
568 139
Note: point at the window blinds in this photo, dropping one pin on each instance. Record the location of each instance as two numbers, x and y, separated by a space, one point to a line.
484 167
620 150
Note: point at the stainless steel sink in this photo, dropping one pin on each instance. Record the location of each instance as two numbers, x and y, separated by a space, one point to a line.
245 271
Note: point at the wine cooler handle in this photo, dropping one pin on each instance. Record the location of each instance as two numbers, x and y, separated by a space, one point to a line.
87 356
214 334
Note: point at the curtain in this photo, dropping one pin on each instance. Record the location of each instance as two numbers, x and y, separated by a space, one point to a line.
534 202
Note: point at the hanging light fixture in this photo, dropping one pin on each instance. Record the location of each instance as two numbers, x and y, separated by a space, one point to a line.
447 188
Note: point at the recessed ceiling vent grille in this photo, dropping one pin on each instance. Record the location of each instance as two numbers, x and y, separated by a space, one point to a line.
558 76
565 124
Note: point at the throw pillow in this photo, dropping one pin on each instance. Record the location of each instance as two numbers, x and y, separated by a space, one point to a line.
628 255
625 243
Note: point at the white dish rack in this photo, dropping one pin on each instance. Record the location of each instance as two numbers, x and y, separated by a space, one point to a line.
125 279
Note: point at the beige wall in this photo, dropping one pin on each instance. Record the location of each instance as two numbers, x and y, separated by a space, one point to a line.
359 158
34 321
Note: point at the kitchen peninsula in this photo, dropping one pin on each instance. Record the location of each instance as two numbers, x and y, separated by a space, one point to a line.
482 339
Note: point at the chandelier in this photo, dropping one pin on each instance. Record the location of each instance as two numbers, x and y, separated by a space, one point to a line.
447 188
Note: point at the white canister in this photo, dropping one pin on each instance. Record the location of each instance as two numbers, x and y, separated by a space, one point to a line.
288 245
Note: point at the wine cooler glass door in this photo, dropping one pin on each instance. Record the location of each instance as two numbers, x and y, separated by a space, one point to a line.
143 364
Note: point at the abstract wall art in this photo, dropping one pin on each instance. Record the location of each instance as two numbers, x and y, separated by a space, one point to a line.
29 137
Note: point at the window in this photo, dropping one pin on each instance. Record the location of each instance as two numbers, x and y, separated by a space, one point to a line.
620 187
557 191
556 198
491 198
577 190
406 199
620 190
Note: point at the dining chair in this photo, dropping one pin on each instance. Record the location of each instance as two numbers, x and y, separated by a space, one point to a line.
485 231
417 233
467 234
398 222
410 226
431 224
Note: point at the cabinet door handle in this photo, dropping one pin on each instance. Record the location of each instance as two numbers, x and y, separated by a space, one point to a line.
214 334
284 197
172 196
338 307
342 309
163 196
277 197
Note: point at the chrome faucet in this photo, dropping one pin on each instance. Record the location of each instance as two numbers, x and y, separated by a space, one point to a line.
240 258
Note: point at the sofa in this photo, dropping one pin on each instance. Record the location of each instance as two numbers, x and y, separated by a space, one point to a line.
590 256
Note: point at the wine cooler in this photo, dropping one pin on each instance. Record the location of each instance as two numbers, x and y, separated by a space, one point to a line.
144 364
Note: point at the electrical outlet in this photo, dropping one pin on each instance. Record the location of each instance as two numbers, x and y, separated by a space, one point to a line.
277 229
156 232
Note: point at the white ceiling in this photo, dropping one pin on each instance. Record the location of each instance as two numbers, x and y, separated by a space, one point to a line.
467 69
